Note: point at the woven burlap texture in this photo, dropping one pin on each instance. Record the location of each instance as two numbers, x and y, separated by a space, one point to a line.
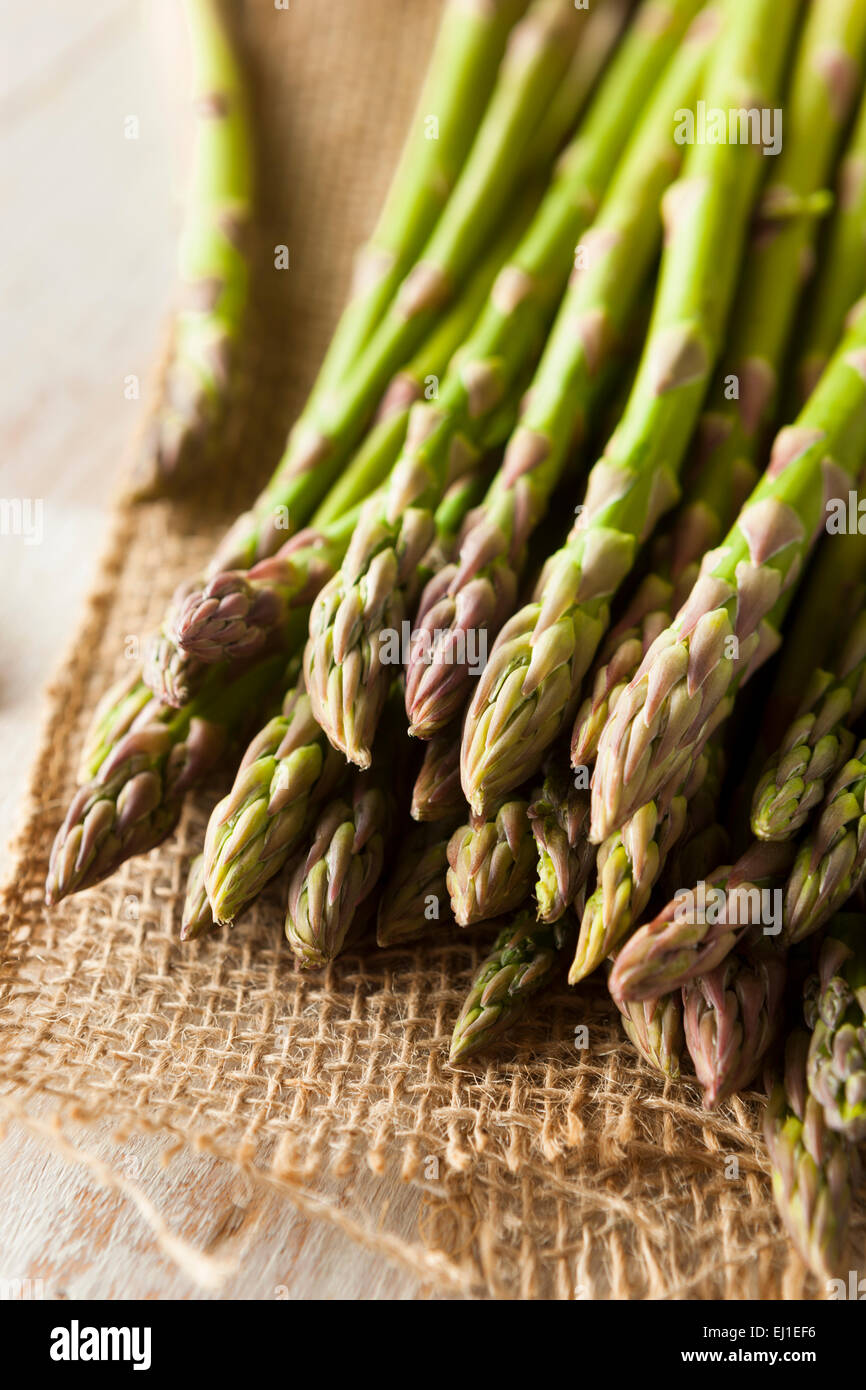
552 1169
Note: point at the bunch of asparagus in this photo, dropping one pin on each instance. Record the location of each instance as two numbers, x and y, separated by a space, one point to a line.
589 771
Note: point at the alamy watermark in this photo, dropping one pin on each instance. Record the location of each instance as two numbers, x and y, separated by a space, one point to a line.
466 647
22 516
712 125
743 906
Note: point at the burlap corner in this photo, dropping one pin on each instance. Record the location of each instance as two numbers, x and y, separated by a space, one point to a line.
548 1171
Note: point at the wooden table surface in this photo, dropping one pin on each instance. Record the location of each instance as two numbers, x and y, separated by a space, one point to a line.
89 226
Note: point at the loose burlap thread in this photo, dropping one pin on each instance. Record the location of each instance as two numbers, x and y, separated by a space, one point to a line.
549 1169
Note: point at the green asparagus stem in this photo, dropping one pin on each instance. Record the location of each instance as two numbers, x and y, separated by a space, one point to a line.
531 683
732 1015
459 81
478 591
135 799
436 795
522 961
369 598
655 1028
559 818
831 863
331 887
288 768
601 27
491 865
728 626
415 898
701 925
213 263
818 739
841 277
837 1051
814 1171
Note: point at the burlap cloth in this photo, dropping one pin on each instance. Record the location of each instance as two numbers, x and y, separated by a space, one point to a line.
550 1170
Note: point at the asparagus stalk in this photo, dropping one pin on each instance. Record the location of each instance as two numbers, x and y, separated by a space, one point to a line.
369 597
818 739
330 889
655 1028
491 864
700 926
731 1016
837 1051
135 799
479 589
460 78
436 794
841 278
196 918
286 770
559 819
831 863
685 685
521 962
416 891
213 262
530 685
814 1171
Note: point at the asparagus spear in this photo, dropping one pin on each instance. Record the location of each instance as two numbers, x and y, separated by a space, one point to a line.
416 891
728 625
287 769
559 818
479 589
213 262
369 597
841 278
135 799
436 795
521 962
491 864
818 739
530 685
732 1015
457 87
331 887
837 1051
196 918
814 1171
701 925
831 863
655 1028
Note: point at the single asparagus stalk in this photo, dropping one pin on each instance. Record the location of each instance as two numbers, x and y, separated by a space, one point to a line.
326 433
558 816
460 78
213 263
521 962
831 862
415 898
248 607
197 917
732 1016
685 685
479 589
331 887
370 596
814 1171
655 1028
491 865
135 799
701 925
837 1051
286 770
841 277
436 794
818 740
531 683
